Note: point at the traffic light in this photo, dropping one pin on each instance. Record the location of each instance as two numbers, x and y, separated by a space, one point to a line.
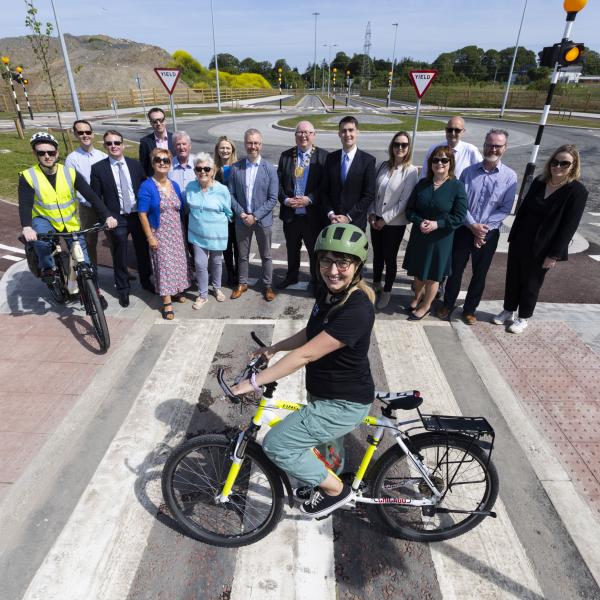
565 54
25 81
390 77
16 76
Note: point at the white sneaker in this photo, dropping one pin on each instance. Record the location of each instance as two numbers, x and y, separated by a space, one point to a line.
219 295
200 302
384 300
501 318
518 325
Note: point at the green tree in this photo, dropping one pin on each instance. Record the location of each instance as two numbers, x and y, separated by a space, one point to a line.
249 65
467 62
591 63
227 62
491 63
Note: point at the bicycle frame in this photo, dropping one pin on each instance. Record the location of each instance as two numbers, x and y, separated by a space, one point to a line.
383 423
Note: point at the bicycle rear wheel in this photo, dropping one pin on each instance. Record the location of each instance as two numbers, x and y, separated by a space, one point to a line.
458 468
93 307
193 477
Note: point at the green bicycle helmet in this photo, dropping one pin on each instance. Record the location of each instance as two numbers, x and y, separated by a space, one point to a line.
343 237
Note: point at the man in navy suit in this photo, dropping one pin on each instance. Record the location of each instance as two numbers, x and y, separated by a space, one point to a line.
159 138
116 180
253 186
349 181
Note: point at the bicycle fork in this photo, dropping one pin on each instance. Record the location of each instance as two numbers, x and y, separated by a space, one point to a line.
237 458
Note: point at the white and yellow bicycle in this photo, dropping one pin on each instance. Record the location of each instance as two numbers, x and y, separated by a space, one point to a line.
430 486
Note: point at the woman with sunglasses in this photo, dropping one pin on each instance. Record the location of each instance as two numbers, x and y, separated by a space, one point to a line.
540 234
160 208
396 179
334 349
209 207
437 206
225 156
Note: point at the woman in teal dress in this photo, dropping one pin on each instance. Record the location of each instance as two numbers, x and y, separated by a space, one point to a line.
437 206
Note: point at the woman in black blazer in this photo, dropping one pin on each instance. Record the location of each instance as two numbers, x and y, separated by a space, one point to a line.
543 227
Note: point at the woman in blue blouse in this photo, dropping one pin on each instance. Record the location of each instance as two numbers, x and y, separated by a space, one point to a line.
209 207
224 157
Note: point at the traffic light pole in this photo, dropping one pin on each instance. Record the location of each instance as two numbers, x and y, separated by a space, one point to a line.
12 87
530 168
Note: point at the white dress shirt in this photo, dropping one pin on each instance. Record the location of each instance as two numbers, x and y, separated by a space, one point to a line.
465 155
251 171
114 165
82 162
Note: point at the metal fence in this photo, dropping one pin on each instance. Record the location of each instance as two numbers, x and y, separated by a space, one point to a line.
132 97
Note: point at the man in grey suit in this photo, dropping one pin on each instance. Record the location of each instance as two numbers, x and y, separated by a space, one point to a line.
253 185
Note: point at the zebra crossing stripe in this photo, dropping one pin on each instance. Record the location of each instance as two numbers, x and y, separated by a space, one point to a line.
109 520
474 564
297 559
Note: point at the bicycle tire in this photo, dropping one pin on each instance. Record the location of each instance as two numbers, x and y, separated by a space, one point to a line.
93 307
195 473
58 288
474 486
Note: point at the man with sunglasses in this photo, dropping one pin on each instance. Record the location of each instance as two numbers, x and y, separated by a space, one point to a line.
48 202
82 159
159 138
491 187
117 180
465 154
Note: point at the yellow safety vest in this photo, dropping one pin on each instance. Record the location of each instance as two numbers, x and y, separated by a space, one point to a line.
58 205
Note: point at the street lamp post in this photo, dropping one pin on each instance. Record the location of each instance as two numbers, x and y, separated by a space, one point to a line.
389 98
315 15
330 46
512 64
212 18
63 45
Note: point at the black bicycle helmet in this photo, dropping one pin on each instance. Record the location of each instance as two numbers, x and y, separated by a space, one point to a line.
43 137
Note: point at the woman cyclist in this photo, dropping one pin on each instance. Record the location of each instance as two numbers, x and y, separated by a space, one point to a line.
334 348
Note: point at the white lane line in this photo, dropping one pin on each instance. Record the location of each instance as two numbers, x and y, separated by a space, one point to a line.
594 256
594 214
12 249
297 559
574 511
596 224
13 258
275 245
466 566
113 521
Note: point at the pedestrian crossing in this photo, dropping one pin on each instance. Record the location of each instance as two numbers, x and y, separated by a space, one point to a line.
104 544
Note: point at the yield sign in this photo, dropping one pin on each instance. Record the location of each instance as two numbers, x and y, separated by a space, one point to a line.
421 80
169 78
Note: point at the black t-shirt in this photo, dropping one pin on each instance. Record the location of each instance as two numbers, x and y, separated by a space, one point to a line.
345 373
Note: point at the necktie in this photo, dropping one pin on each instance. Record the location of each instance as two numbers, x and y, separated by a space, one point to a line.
124 185
345 162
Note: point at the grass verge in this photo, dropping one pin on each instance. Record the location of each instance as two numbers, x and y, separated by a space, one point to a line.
322 122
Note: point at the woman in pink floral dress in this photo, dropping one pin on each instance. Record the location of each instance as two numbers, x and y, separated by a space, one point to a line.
160 206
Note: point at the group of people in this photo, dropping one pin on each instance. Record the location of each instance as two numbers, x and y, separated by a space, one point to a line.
187 214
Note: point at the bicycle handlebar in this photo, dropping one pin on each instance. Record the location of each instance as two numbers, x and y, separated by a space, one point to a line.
256 364
65 234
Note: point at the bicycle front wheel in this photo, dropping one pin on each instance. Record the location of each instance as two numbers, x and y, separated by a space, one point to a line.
460 471
94 308
193 477
58 288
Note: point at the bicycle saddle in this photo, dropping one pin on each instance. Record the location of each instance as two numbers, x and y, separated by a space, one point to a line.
401 400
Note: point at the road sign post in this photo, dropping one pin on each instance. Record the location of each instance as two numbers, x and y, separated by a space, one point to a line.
169 78
421 80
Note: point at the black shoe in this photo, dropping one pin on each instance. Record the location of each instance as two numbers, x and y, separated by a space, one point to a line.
321 504
103 302
149 287
48 275
286 282
124 300
304 492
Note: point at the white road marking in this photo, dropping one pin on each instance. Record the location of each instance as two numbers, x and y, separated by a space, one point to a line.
596 224
297 559
466 566
594 214
12 249
108 515
275 245
13 258
595 256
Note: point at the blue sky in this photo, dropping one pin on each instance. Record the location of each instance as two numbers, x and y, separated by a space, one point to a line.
268 29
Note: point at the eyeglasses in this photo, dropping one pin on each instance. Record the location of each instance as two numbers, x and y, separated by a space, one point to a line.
342 264
306 133
439 159
157 121
454 130
163 160
108 143
203 169
494 146
399 145
86 132
41 153
563 164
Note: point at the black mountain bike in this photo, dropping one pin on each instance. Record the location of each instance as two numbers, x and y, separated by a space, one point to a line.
73 278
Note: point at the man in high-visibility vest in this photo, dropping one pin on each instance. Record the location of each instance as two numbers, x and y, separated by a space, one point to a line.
48 202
